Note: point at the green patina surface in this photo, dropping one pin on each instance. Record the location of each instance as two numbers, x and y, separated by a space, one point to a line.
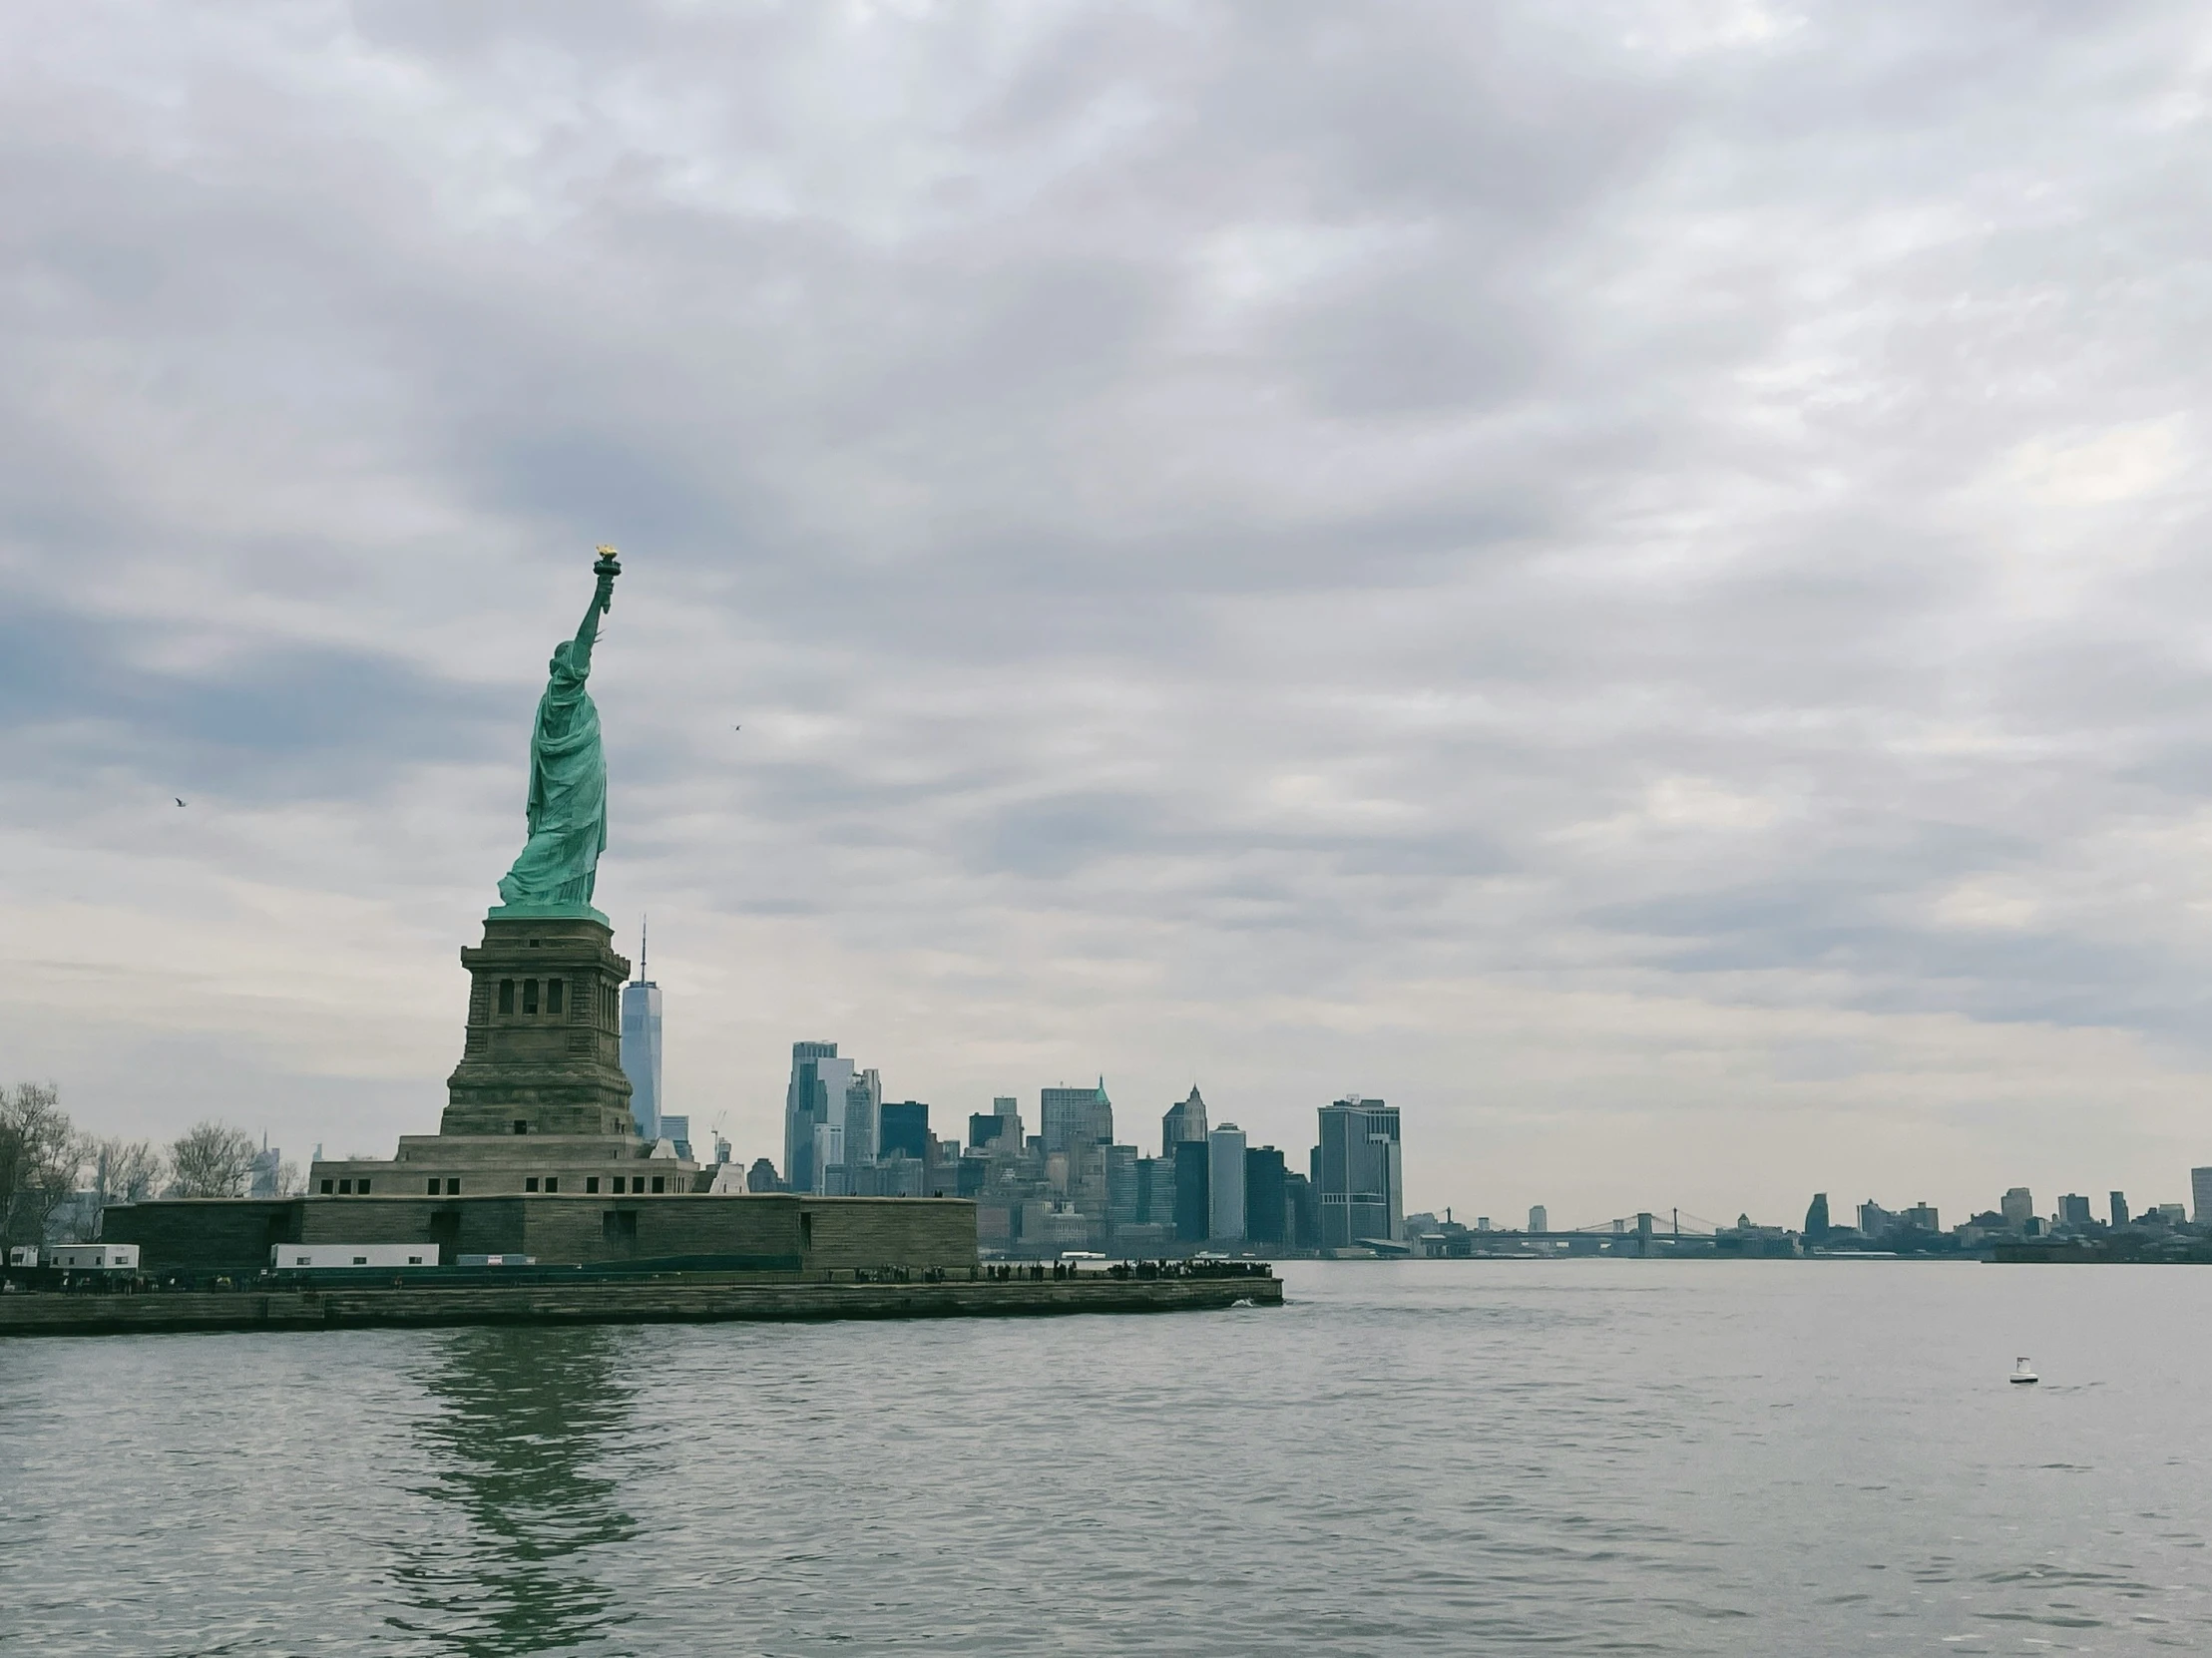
559 865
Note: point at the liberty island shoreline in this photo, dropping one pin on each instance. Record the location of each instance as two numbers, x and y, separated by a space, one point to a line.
660 1298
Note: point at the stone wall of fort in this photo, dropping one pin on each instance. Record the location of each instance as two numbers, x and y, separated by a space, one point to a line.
760 1232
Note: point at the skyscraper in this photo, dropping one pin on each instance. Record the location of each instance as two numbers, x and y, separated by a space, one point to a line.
1072 1117
2119 1211
1266 1207
1539 1218
830 1177
1156 1191
2200 1193
1362 1173
1121 1185
904 1131
263 1180
1225 1150
818 1077
641 1047
1194 1212
863 1105
1185 1120
1304 1212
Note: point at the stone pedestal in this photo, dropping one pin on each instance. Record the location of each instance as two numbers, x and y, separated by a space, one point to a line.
542 1052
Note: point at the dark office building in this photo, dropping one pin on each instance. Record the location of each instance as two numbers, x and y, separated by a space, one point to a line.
1193 1194
2119 1209
986 1126
1155 1190
1361 1182
1304 1212
1266 1216
904 1131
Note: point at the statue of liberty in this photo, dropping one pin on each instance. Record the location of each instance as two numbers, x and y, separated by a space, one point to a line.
568 779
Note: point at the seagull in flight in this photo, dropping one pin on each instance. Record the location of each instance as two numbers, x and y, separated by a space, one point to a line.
176 799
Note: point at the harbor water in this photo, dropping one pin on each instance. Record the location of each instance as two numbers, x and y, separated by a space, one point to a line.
1566 1456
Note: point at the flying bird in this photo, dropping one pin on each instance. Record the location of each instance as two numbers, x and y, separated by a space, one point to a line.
179 802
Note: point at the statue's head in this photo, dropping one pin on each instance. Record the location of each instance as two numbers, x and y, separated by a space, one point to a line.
561 656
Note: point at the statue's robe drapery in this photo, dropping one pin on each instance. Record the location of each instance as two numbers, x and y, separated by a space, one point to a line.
568 798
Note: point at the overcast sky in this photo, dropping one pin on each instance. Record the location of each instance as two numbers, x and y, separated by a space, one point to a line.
1628 578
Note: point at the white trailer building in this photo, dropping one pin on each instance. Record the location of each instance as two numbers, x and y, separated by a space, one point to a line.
291 1257
94 1257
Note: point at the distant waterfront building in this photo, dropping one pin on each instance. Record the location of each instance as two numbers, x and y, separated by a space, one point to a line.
1817 1224
1194 1210
904 1130
1922 1218
1874 1220
2119 1211
1266 1197
761 1177
1360 1163
2018 1207
2174 1214
997 1128
1225 1184
2200 1194
818 1077
1540 1219
1069 1118
676 1130
2074 1210
1184 1120
640 1048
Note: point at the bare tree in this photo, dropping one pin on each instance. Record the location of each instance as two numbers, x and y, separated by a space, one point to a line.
211 1159
127 1171
40 1156
289 1181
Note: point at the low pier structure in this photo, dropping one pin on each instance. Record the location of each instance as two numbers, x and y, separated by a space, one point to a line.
676 1299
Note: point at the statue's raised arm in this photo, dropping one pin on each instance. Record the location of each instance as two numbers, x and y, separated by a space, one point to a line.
603 601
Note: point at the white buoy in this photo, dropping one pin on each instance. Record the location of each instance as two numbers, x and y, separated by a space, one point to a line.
2024 1372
